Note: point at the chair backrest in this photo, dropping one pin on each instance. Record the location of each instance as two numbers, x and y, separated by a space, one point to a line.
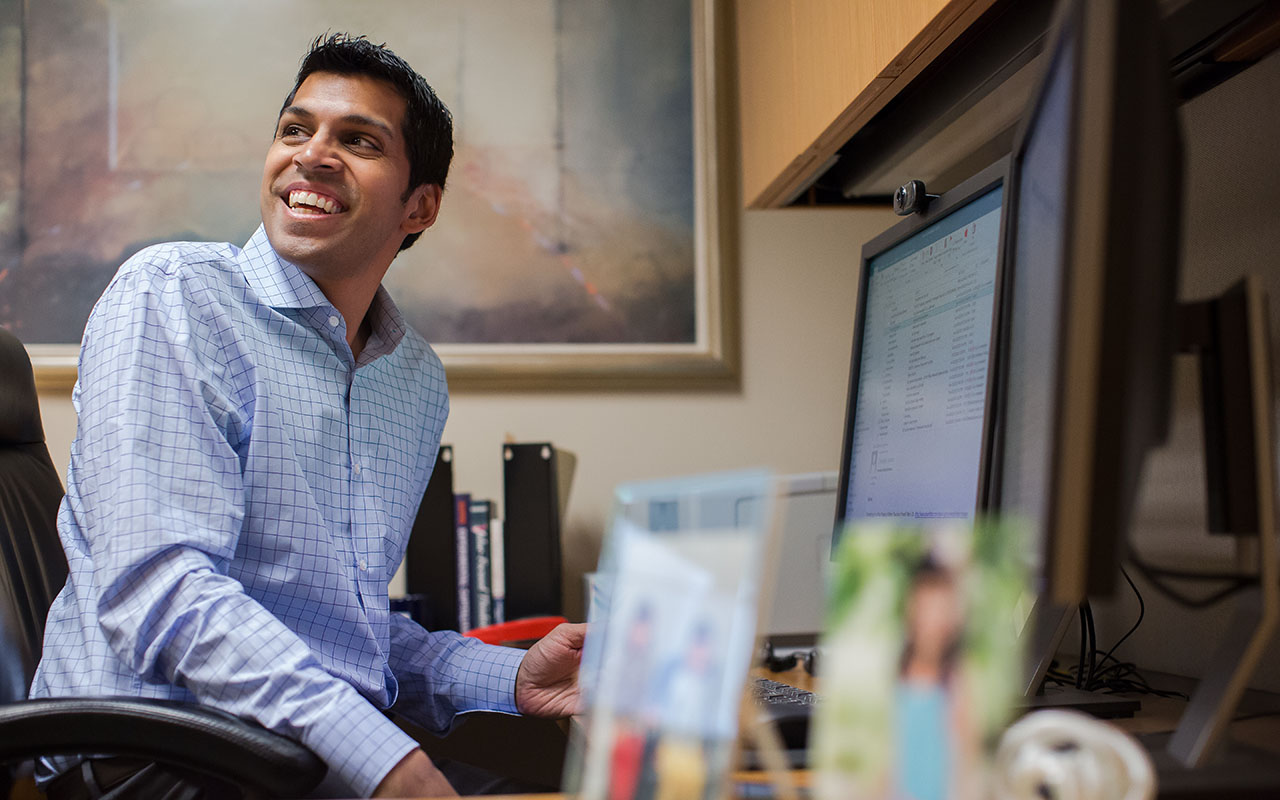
32 565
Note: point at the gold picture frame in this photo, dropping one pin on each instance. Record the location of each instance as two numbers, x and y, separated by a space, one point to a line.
710 360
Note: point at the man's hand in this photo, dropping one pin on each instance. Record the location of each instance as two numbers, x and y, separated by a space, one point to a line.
414 776
547 683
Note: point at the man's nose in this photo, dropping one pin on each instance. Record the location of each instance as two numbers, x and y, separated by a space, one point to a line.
319 153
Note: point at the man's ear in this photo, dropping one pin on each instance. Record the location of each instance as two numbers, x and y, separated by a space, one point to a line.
422 206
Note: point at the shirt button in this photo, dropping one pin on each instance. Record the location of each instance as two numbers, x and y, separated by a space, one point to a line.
333 321
364 565
356 468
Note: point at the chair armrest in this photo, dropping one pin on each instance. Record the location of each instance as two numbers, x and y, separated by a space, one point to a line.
183 734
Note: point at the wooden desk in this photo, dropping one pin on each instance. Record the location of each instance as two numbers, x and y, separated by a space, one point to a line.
1259 714
1158 715
1259 727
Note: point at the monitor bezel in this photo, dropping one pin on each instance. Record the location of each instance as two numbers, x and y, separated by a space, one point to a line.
1055 42
988 179
1103 102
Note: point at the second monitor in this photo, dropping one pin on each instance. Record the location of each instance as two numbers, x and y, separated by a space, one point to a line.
918 383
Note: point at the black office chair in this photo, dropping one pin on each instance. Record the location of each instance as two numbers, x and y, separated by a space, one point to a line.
249 759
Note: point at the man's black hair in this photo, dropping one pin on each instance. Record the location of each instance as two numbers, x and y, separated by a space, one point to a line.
427 127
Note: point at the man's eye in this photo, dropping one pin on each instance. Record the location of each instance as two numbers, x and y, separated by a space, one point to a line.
362 143
290 130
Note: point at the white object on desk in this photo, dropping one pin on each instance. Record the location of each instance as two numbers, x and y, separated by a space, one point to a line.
1073 757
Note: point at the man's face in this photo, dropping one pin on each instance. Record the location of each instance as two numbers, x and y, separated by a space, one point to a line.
335 176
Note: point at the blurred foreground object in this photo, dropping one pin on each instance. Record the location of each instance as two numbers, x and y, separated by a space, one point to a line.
1066 755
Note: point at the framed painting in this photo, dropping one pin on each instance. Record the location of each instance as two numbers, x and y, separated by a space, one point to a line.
586 239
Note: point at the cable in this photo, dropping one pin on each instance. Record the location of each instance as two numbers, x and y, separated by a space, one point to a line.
1154 576
1142 612
1207 601
1193 575
1084 650
1104 672
1093 644
1058 676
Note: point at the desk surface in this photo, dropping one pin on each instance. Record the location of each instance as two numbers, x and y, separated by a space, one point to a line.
1259 725
1158 715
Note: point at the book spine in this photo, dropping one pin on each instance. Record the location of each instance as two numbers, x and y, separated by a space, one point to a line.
497 570
462 542
481 593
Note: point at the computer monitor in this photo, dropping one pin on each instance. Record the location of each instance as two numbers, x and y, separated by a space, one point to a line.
1088 319
918 382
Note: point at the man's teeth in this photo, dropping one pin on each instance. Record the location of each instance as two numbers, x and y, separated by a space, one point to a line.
301 199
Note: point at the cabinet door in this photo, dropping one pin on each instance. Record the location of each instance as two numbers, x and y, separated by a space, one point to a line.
811 72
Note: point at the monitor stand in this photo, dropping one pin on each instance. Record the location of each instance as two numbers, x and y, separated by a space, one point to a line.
1224 332
1229 335
1047 627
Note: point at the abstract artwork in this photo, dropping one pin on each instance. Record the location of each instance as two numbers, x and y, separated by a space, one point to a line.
580 238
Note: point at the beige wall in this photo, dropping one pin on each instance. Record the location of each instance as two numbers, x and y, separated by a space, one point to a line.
798 284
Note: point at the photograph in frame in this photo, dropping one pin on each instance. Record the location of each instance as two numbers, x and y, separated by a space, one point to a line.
671 636
921 659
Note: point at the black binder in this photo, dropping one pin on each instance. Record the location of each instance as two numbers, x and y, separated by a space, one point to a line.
531 530
431 565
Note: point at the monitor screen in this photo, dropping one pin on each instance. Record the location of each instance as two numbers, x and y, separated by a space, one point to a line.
918 385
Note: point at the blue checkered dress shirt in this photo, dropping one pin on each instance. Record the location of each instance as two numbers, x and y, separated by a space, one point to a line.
240 493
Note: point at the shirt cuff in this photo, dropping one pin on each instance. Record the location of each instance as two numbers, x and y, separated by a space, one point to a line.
358 742
488 681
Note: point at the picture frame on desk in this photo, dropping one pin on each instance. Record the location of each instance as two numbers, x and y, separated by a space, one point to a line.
588 234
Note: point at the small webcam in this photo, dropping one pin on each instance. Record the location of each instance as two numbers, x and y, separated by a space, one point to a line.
911 198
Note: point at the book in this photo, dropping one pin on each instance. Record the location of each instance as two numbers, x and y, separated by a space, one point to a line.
497 570
431 565
481 511
536 481
462 556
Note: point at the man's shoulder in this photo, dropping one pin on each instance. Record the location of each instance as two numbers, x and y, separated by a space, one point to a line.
415 351
174 258
198 276
180 272
415 346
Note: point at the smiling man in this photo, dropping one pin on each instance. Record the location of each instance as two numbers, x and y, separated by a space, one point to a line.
256 429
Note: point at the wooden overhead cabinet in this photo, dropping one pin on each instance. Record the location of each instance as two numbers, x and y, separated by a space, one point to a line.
812 72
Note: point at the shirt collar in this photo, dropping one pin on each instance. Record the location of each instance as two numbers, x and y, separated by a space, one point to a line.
387 326
278 283
283 284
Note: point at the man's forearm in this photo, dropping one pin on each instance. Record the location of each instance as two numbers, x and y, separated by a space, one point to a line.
182 623
442 673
